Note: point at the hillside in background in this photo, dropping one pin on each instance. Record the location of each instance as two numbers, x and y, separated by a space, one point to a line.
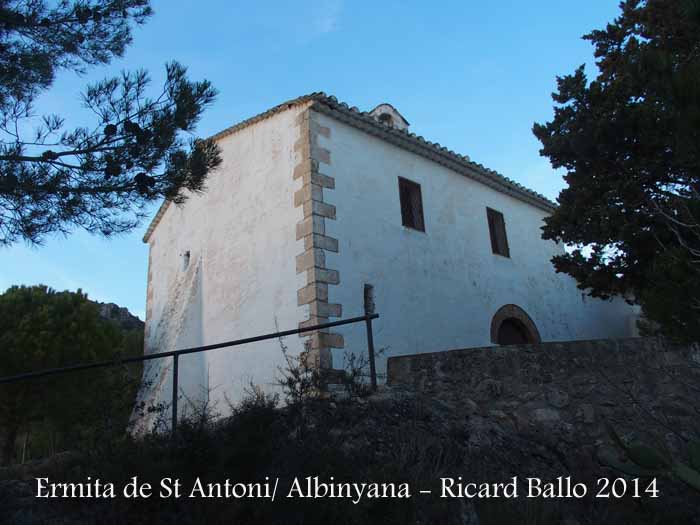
46 330
121 315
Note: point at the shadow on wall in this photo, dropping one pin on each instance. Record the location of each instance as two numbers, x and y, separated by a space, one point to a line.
180 326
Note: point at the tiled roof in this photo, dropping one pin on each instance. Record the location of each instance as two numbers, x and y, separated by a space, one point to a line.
329 105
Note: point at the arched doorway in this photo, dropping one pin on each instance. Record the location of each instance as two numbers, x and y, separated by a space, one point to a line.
512 332
512 326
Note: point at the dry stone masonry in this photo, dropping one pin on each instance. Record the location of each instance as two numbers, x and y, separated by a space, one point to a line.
645 387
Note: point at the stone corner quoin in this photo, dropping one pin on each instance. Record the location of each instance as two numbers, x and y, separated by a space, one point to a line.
312 158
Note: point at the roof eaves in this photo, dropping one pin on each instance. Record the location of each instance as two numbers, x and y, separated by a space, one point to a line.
229 131
403 138
431 150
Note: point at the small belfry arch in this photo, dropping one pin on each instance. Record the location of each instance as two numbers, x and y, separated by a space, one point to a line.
511 325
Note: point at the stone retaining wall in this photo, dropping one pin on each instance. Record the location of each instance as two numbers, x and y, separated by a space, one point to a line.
643 386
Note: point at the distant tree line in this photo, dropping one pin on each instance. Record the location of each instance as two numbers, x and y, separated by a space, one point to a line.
41 328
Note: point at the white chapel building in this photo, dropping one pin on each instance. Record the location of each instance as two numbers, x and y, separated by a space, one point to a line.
315 200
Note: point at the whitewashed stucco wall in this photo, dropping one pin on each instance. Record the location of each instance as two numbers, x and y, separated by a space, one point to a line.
434 291
439 290
241 275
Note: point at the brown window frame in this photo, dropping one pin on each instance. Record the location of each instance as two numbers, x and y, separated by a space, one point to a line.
497 232
411 200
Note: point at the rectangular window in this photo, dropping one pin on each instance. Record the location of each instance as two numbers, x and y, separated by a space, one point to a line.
497 230
411 204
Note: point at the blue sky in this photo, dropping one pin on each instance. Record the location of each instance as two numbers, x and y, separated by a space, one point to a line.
468 74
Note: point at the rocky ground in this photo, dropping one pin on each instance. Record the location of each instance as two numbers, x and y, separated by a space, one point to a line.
394 436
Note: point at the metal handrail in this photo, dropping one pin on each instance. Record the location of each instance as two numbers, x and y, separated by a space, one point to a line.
175 354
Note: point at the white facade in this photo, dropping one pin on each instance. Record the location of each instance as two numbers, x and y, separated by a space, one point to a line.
440 289
241 276
305 211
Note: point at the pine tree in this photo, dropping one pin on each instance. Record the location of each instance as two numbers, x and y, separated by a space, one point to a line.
99 178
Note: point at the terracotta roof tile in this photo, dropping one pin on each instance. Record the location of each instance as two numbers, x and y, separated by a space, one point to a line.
403 138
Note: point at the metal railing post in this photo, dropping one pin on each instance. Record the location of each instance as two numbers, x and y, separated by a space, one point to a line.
370 350
175 354
174 409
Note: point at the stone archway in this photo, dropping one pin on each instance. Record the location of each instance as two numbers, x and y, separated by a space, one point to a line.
511 325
